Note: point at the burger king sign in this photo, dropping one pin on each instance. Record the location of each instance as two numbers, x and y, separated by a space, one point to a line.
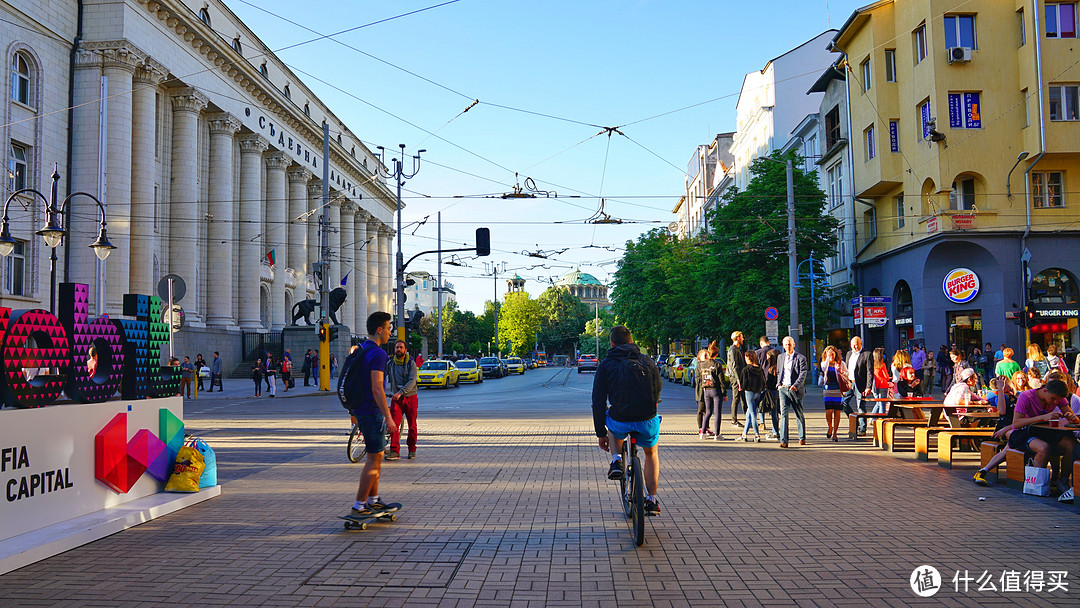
961 285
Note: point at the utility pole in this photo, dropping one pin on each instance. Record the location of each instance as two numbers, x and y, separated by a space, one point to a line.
399 176
793 297
324 266
439 285
495 291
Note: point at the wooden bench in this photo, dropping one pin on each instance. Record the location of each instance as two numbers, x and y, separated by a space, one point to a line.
853 423
987 451
949 443
889 427
922 440
1014 468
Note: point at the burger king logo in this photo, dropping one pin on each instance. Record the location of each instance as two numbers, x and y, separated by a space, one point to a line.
961 285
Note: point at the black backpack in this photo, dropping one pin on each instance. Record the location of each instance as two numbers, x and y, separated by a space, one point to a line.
632 378
350 380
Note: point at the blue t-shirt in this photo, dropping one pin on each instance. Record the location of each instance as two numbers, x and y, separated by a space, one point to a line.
374 360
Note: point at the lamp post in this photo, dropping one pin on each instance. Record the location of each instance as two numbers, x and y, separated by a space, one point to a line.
813 315
54 232
399 176
793 296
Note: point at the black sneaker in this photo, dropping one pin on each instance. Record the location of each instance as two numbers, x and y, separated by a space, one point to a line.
615 471
380 507
652 507
365 512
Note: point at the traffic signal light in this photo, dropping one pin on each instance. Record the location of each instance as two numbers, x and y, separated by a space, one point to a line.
1029 314
333 332
483 241
322 333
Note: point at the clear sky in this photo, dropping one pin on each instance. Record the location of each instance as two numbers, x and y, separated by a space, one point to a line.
585 64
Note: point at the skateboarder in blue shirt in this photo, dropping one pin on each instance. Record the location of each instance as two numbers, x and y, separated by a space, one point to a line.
371 413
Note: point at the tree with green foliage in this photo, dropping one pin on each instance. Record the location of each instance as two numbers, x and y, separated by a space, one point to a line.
519 322
589 339
562 319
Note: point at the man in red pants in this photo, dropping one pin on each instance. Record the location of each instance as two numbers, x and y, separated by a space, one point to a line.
402 372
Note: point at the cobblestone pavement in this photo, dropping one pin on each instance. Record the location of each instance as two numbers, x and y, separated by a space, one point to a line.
519 512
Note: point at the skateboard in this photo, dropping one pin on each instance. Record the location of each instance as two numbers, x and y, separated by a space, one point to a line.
361 522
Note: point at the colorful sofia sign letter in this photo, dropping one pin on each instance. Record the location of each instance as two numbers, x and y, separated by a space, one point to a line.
961 285
42 355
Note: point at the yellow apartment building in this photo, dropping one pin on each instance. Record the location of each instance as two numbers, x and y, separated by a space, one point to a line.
965 131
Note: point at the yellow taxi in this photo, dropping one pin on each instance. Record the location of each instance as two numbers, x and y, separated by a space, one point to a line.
679 368
469 371
438 373
514 365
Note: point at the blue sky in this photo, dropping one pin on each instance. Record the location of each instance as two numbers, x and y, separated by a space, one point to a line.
604 63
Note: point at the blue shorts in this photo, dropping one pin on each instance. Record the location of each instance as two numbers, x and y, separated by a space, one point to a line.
647 432
373 427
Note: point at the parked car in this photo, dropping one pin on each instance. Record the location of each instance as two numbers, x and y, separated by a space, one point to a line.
678 368
669 364
587 362
491 367
690 377
514 365
469 371
438 373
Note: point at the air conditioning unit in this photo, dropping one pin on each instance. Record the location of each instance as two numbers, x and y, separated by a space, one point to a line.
959 54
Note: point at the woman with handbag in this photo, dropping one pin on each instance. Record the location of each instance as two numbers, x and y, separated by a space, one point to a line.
752 380
837 384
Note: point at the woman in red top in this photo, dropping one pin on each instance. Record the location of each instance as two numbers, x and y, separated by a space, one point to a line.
882 379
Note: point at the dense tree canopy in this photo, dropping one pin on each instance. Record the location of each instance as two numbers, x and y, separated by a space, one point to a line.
723 279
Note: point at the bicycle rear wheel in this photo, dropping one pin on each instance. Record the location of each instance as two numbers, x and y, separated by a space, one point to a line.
638 484
355 449
624 483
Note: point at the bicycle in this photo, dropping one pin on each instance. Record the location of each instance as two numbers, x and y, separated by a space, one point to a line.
355 449
632 489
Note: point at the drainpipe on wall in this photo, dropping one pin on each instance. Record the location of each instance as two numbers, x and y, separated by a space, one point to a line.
70 121
1027 173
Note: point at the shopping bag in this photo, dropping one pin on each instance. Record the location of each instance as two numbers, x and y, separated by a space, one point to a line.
209 474
186 471
1037 481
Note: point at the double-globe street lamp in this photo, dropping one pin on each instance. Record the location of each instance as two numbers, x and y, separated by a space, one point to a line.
54 231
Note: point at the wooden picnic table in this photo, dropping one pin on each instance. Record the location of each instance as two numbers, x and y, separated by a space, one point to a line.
936 409
1064 428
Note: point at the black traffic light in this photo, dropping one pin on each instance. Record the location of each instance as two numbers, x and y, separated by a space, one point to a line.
333 332
483 241
322 333
1029 314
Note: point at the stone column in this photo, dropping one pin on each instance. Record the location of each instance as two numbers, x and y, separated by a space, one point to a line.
184 195
220 255
314 241
388 268
298 229
335 244
146 81
373 301
276 231
360 276
348 254
83 212
247 272
119 68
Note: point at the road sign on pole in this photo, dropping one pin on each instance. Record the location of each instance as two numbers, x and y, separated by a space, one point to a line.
771 314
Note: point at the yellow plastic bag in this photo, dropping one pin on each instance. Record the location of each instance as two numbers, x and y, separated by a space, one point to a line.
186 472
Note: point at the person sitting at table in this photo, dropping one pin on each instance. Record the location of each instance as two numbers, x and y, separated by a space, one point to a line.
1039 406
1006 367
963 390
900 360
909 385
1007 392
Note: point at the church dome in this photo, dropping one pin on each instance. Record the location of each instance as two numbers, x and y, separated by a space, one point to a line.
576 277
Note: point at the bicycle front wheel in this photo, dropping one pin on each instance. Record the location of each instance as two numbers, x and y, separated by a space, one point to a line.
355 450
625 486
639 503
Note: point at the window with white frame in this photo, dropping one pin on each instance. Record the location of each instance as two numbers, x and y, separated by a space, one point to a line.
18 167
919 42
834 180
15 270
899 204
890 65
962 197
867 76
1048 189
960 31
1061 20
1064 102
20 79
871 149
841 248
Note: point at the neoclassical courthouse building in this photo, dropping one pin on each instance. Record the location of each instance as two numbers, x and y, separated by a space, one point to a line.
210 150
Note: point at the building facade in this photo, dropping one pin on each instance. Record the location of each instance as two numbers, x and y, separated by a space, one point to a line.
423 294
964 131
206 151
586 287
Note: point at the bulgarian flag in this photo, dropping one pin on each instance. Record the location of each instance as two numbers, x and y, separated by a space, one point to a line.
272 257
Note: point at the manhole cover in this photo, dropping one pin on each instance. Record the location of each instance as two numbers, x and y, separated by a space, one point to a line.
398 565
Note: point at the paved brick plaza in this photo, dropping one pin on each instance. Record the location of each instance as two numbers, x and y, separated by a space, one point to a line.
520 514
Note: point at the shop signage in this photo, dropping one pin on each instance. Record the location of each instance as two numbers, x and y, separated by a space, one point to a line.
963 221
904 321
1056 311
961 285
932 225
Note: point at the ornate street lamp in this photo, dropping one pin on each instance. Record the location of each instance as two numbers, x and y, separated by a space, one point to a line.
54 232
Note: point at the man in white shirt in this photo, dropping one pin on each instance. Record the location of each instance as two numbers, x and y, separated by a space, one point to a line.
860 366
791 368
